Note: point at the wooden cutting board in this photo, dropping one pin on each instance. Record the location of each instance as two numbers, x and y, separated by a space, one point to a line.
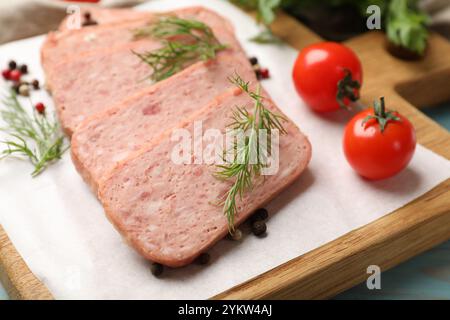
386 242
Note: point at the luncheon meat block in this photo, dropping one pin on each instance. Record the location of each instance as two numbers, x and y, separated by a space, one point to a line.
70 44
108 137
92 83
59 46
169 212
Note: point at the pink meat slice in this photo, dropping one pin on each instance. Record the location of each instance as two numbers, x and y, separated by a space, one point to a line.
60 46
96 80
108 137
168 212
93 83
70 44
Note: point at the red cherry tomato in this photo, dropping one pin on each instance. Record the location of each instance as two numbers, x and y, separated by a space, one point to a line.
318 70
377 154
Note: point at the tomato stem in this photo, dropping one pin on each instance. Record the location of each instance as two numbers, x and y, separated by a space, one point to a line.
347 88
381 115
382 108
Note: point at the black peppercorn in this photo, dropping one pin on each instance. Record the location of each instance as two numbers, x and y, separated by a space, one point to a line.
156 269
23 69
260 215
12 65
89 23
259 228
253 60
258 74
203 259
35 84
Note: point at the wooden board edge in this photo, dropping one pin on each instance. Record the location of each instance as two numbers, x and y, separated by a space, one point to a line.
342 263
17 278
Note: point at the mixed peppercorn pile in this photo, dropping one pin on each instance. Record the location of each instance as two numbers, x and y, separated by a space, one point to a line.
15 74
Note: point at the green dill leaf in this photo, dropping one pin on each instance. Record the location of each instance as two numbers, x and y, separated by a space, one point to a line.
184 42
250 157
34 137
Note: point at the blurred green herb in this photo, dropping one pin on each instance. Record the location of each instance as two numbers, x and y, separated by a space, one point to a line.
405 24
35 137
266 13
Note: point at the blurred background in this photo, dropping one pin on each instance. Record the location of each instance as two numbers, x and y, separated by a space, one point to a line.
424 277
332 19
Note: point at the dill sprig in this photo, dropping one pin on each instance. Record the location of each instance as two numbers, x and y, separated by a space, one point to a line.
249 157
183 42
34 137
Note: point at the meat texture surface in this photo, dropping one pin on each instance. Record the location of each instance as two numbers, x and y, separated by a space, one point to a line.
111 136
60 46
169 212
70 44
95 80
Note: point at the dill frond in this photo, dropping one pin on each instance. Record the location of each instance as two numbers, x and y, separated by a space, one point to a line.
184 42
242 170
36 137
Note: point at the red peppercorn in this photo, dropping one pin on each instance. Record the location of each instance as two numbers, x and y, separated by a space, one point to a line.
6 74
264 73
15 75
40 107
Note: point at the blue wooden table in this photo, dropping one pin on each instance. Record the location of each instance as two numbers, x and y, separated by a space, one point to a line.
424 277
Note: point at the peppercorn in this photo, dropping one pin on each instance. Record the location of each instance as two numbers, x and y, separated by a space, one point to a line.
35 84
156 269
15 75
253 60
6 74
264 73
24 90
23 69
259 215
40 107
12 65
236 235
203 258
259 228
89 23
87 15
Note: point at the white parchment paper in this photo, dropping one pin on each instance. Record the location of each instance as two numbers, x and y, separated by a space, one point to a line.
59 228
